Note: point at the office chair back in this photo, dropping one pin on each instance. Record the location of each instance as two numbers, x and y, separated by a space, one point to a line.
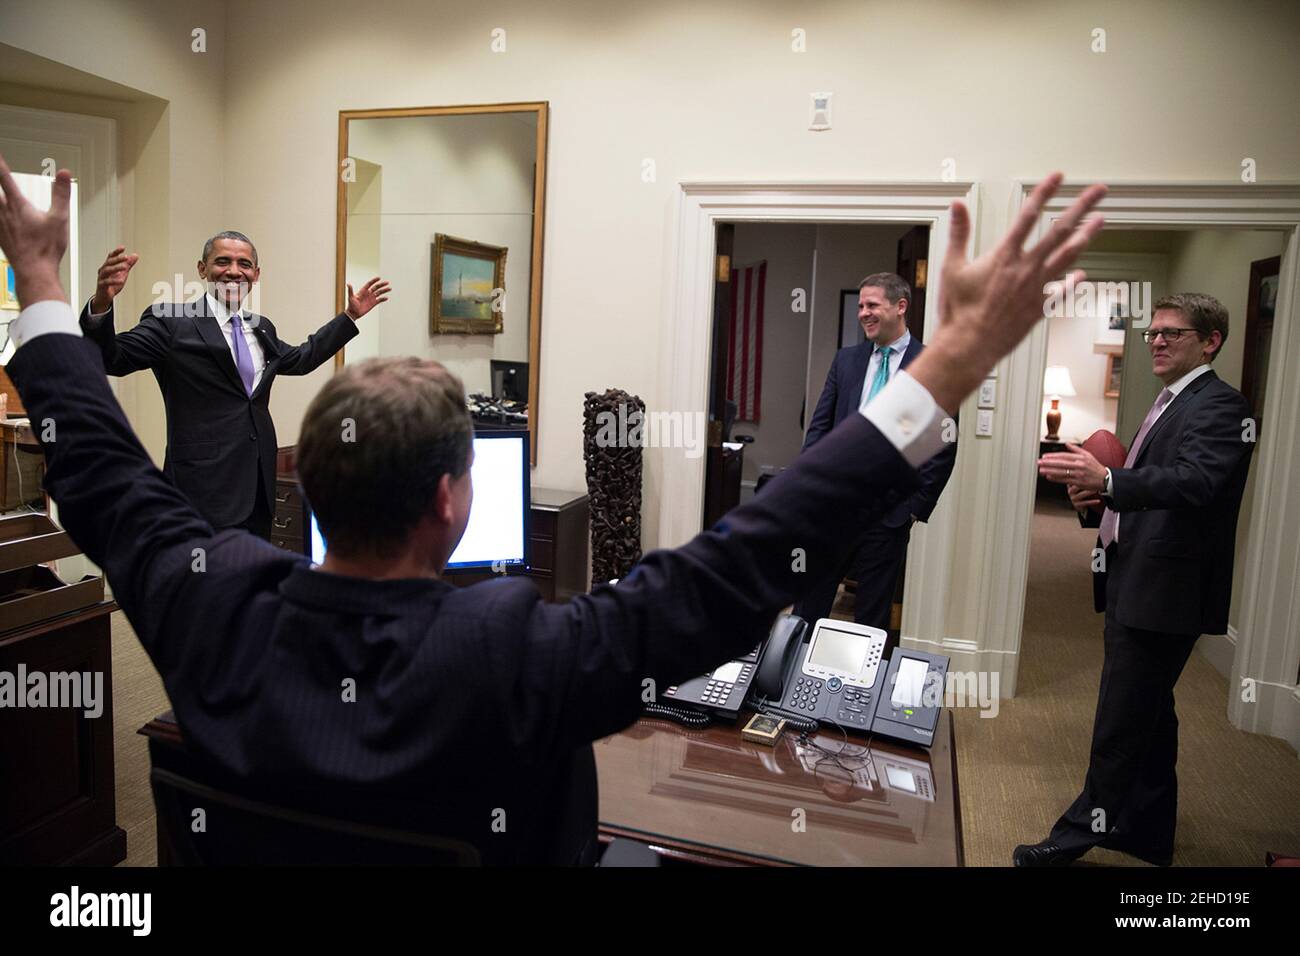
232 830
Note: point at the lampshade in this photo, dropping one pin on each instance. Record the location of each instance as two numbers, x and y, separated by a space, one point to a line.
1057 382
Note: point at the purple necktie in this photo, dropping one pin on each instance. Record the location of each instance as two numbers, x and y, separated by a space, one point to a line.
1110 519
243 359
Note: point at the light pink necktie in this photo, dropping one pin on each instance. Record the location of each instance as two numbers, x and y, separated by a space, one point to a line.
1110 519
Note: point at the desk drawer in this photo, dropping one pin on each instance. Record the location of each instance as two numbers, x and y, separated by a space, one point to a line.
288 497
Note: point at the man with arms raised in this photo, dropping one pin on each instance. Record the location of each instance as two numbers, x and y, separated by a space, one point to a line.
476 707
215 362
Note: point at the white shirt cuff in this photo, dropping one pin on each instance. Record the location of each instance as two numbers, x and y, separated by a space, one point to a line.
96 317
41 318
909 417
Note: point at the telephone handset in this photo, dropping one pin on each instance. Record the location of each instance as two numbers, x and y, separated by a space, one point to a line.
783 643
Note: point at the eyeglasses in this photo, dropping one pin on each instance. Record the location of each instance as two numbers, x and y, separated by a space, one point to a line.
1170 335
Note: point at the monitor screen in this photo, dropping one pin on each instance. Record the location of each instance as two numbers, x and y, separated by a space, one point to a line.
497 533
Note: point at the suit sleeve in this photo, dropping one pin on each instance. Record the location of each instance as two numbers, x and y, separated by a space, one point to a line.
823 418
144 346
118 508
1210 449
320 345
678 613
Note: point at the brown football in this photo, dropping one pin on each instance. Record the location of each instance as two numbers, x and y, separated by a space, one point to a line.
1107 449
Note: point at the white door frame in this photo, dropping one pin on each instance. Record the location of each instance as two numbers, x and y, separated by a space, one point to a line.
1268 648
685 350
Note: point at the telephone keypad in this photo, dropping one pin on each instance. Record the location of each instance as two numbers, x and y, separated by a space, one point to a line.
806 694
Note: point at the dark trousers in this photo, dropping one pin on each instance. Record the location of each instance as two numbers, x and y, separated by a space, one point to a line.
875 564
1130 796
259 521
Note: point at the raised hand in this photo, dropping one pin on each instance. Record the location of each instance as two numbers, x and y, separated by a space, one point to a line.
111 278
33 241
372 293
988 305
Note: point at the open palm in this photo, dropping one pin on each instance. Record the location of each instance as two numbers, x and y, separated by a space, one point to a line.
372 293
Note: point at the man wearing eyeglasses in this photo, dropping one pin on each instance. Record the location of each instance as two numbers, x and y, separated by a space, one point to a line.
1168 532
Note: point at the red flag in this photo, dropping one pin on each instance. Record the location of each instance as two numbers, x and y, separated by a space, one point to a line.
745 341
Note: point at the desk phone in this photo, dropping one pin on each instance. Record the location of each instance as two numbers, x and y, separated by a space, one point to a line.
837 675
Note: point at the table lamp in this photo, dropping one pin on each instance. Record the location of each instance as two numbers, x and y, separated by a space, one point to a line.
1056 385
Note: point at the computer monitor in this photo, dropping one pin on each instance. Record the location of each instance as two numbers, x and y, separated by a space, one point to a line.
497 534
509 380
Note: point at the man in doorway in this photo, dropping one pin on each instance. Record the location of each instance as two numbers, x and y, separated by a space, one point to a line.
857 375
216 385
1163 578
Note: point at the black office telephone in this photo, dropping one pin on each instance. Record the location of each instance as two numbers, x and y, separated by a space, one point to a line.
839 676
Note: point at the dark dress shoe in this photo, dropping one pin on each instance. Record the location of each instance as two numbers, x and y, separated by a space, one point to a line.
1044 854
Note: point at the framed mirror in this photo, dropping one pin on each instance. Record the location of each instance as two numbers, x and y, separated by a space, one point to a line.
447 203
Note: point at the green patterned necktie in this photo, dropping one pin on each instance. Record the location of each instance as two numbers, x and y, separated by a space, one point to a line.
882 373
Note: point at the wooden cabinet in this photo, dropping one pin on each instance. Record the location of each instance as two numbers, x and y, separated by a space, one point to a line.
288 523
558 541
57 799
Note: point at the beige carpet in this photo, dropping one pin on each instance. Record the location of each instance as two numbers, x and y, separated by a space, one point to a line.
1239 793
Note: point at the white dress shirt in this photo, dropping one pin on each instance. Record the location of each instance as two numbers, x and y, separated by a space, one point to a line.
223 316
899 346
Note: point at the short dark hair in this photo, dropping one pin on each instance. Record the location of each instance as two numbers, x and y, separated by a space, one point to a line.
228 234
1203 312
375 442
895 286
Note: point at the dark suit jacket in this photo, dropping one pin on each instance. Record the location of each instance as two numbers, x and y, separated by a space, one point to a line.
1171 569
473 706
841 397
218 436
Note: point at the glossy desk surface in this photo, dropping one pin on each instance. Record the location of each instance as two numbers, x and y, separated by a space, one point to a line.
711 797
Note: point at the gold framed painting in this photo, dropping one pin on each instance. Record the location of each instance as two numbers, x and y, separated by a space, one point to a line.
8 286
467 288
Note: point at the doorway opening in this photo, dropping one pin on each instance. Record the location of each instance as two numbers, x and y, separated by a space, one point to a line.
785 303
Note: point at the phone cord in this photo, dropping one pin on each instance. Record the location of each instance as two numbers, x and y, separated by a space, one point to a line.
684 717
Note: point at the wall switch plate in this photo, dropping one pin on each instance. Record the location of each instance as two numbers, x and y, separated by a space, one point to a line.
984 423
988 393
821 111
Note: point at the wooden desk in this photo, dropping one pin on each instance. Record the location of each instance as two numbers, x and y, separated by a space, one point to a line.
710 798
17 435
